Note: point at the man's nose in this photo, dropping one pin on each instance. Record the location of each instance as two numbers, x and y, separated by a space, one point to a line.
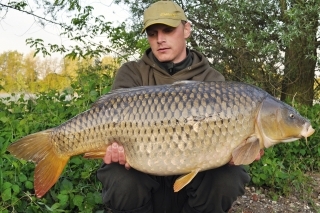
161 38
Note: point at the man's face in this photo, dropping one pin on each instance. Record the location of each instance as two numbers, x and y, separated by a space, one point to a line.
168 43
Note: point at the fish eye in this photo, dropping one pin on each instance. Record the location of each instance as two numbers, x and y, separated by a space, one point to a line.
291 115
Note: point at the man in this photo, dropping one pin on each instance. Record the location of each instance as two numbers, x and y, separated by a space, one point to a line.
166 61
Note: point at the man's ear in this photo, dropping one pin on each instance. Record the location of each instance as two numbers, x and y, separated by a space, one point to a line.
187 30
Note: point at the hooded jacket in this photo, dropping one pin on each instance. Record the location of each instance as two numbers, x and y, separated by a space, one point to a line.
147 72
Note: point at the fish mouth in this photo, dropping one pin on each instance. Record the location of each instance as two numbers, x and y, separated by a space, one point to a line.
307 131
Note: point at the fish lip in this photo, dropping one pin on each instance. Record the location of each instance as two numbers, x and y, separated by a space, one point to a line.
307 130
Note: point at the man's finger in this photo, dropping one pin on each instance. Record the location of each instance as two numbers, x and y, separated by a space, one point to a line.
107 157
115 153
122 157
127 166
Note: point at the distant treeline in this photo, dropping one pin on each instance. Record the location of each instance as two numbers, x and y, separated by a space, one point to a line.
25 73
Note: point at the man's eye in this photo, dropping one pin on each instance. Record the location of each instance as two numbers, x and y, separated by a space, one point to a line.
168 30
150 34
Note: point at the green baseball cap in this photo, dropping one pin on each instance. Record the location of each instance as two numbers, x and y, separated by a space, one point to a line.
163 12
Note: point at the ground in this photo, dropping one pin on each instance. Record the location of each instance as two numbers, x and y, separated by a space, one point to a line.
258 200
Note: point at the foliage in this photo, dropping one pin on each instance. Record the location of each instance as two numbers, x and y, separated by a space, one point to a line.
300 40
271 44
245 40
79 21
11 70
77 189
19 73
283 167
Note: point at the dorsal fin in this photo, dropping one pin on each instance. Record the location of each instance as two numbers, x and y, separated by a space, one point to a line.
183 82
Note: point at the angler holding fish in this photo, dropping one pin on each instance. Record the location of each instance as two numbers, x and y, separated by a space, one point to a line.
175 121
167 61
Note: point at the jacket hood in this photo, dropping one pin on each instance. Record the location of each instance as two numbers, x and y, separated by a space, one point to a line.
199 65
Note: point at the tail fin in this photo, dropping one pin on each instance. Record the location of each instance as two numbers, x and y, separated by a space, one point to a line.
39 149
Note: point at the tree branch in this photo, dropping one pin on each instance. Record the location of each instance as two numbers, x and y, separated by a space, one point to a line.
30 13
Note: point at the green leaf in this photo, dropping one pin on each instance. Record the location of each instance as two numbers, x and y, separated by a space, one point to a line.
6 194
76 160
302 151
16 189
6 185
66 185
22 178
55 206
29 184
78 200
97 197
85 175
63 199
4 119
263 176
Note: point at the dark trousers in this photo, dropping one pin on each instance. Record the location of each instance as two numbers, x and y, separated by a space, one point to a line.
136 192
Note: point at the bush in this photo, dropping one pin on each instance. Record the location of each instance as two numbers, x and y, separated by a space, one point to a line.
80 193
282 168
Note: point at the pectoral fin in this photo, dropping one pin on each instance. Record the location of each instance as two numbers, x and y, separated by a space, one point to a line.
184 180
246 153
95 155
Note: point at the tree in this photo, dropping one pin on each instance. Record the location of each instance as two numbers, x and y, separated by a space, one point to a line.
79 20
271 44
29 72
48 65
19 73
53 81
11 67
302 19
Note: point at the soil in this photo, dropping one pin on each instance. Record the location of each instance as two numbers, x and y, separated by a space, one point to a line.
258 200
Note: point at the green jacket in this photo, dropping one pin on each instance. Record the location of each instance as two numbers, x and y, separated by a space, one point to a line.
146 72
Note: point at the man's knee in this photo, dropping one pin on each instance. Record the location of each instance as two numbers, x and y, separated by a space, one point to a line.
215 190
125 189
117 176
228 177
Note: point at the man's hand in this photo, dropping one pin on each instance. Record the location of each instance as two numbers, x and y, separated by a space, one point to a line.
115 153
261 153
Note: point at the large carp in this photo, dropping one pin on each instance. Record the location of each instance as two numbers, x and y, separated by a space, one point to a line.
181 128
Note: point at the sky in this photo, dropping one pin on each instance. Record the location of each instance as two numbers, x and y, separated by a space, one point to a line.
16 27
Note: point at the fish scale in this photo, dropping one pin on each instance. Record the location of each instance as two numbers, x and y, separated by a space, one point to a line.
181 128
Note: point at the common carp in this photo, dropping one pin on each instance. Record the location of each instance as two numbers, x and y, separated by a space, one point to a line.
182 128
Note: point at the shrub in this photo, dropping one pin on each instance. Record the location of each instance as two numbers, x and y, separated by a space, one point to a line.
282 168
77 189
